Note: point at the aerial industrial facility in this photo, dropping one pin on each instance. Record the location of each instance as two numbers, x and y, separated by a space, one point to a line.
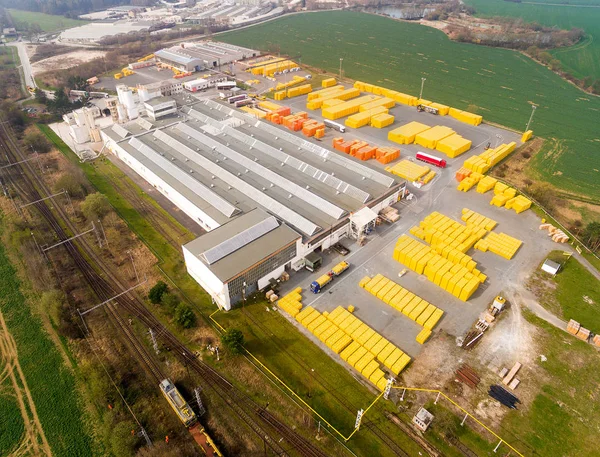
220 165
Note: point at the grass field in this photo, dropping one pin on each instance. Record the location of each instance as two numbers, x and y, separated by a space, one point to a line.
47 22
577 294
11 422
563 418
501 83
51 383
580 60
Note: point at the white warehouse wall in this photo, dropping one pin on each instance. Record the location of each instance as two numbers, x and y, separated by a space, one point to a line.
209 282
195 213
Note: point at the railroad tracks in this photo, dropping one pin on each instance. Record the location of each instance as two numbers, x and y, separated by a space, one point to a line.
265 425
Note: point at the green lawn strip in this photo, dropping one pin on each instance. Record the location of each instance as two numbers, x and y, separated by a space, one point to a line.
578 293
12 427
293 357
499 83
47 22
564 416
447 421
52 385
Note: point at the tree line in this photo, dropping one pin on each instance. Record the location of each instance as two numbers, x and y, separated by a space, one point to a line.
70 8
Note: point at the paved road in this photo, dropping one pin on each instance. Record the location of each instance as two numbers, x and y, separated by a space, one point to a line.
25 63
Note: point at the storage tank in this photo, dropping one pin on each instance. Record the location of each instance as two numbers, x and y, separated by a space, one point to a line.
122 112
132 112
125 96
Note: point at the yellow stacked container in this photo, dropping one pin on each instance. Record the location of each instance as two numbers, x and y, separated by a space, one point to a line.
345 109
406 134
383 120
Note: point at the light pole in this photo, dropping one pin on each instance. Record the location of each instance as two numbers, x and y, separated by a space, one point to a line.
533 108
422 84
341 60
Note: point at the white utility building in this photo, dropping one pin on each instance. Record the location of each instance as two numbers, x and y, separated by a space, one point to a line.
160 107
266 196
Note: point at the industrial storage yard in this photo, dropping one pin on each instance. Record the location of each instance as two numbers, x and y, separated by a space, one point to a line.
341 257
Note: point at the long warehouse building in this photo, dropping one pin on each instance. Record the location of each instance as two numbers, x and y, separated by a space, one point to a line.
203 55
266 197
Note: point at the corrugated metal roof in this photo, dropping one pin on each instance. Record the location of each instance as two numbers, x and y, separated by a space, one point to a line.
174 57
240 240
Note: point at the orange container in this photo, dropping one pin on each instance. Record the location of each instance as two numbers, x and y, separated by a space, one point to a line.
276 118
302 114
337 141
320 133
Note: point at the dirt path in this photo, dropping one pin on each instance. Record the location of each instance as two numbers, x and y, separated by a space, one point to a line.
34 433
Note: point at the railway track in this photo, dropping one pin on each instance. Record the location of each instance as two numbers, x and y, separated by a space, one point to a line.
265 425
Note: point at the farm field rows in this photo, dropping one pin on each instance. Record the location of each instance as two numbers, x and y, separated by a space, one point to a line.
49 382
499 84
47 22
580 60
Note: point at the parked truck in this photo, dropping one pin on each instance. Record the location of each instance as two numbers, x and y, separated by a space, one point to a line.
320 283
433 160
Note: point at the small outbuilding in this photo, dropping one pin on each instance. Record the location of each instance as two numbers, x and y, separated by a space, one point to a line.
423 419
551 267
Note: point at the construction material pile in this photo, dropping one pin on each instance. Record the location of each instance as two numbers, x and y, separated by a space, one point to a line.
410 100
270 67
465 116
363 151
483 162
503 396
356 343
282 115
500 244
441 138
329 82
503 194
558 236
293 92
575 328
526 136
409 170
315 99
291 303
347 108
404 301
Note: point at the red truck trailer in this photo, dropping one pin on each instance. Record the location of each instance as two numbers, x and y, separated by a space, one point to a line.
431 159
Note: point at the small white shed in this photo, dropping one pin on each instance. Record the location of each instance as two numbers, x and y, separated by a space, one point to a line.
550 266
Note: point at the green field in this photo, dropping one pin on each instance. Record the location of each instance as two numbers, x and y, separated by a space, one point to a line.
51 383
502 83
47 22
11 422
576 294
580 60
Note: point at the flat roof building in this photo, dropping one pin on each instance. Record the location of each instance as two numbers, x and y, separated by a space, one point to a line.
203 55
218 165
160 107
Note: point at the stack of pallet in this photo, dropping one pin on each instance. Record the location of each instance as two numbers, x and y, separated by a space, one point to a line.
428 177
469 181
518 204
500 244
450 276
337 92
465 116
329 82
406 134
398 97
356 343
483 162
474 219
558 236
390 214
409 170
364 151
486 184
526 136
292 302
404 301
502 194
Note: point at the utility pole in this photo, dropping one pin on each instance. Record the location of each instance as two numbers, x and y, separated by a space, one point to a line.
137 278
341 60
533 108
422 84
201 409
